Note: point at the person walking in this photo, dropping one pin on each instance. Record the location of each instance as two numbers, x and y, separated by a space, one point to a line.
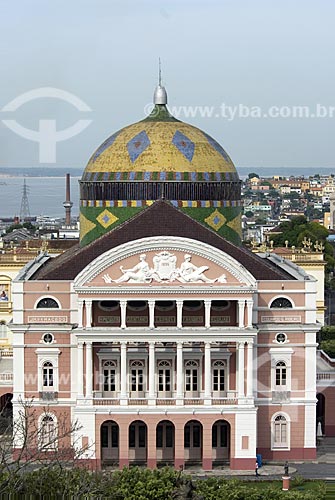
256 468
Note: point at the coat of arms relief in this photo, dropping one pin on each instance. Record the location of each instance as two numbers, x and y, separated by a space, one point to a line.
164 270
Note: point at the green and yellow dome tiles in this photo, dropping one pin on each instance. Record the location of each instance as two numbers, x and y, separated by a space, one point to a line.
159 150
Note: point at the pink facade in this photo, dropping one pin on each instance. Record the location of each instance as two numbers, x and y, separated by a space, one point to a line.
157 369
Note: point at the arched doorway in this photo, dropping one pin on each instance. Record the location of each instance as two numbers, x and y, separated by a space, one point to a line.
221 442
109 442
321 411
138 436
165 442
193 442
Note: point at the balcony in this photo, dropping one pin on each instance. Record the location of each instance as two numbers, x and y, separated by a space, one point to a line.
230 399
6 379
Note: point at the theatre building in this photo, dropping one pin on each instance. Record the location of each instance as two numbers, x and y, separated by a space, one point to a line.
159 333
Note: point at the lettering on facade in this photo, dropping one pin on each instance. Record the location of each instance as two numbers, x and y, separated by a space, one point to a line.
220 320
47 319
164 270
281 319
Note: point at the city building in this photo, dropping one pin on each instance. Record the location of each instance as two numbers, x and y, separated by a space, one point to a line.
166 340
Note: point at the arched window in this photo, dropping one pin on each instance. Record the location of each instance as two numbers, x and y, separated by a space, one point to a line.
137 376
48 433
164 376
280 432
281 374
109 376
281 303
191 376
218 376
47 303
48 374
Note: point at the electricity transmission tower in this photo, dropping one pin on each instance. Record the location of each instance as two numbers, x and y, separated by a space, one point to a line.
24 210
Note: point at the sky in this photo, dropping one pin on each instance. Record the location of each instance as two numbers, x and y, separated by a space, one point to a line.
222 61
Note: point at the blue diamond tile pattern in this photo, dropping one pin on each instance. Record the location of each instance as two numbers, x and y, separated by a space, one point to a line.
184 145
137 145
108 142
217 147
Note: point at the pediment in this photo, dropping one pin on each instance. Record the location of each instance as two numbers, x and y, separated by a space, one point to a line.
164 261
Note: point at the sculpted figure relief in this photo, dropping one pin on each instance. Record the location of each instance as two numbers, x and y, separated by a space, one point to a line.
164 270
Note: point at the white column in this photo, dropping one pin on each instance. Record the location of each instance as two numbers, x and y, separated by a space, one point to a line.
151 372
89 374
250 304
208 303
80 313
123 306
241 304
179 313
80 367
151 304
240 373
208 377
123 372
179 375
88 306
250 371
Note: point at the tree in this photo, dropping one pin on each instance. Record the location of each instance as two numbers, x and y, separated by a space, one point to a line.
34 439
252 174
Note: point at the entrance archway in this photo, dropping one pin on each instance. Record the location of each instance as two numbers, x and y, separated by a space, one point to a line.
109 442
193 442
165 437
321 411
138 437
221 442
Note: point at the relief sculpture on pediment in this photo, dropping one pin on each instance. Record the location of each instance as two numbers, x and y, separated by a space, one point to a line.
164 270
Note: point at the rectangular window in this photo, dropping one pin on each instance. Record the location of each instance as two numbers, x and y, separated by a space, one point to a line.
109 380
133 380
115 436
214 436
141 436
188 380
104 436
196 436
132 436
167 380
187 436
223 436
159 437
48 377
195 380
161 380
169 436
140 380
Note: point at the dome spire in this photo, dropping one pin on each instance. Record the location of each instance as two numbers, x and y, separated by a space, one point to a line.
160 95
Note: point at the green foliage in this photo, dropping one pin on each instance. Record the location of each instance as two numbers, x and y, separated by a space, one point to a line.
329 347
252 174
143 484
326 333
298 228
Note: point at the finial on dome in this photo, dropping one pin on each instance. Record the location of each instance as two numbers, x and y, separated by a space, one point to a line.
160 95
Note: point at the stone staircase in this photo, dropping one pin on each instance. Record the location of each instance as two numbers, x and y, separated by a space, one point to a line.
326 451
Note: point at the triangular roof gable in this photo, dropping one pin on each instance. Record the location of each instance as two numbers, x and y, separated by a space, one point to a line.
160 219
215 266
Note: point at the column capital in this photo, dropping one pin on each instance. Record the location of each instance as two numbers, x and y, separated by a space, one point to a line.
240 344
179 302
123 302
152 343
151 302
123 343
88 343
207 302
250 343
207 344
80 344
88 301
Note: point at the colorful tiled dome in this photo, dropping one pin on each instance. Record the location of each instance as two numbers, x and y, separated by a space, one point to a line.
160 157
159 143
